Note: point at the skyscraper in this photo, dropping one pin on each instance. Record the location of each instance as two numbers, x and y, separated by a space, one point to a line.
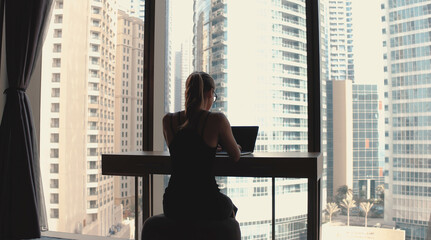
368 132
77 116
129 80
134 8
340 40
259 66
340 65
408 117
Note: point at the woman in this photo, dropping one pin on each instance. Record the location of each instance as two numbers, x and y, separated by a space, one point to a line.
192 137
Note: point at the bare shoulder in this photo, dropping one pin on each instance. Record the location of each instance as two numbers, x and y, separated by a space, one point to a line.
218 120
167 118
217 117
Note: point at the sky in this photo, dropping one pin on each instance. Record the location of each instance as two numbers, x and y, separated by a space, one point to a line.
367 35
367 32
182 25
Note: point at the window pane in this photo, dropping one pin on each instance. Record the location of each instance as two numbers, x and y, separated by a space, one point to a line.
256 52
91 105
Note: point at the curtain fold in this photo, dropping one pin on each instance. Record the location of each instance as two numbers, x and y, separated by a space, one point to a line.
22 210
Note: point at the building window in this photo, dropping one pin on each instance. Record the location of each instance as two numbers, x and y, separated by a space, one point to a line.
58 33
54 198
260 191
54 138
59 4
92 152
53 183
56 62
55 107
55 122
55 77
53 168
57 48
54 213
58 19
55 92
54 153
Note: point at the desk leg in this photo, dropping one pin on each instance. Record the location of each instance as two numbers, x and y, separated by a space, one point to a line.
273 208
314 209
146 197
137 235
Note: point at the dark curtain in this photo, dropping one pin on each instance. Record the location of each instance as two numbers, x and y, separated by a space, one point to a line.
22 211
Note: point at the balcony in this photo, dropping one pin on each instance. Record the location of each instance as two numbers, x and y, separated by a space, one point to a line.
218 69
218 28
217 15
217 3
219 56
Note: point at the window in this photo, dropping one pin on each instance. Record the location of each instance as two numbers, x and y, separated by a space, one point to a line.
54 183
54 199
59 4
56 62
57 48
54 153
54 137
54 168
54 213
55 77
284 61
55 122
55 92
55 107
58 19
277 99
58 33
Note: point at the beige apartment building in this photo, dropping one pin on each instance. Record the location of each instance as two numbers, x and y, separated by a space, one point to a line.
77 120
343 134
128 100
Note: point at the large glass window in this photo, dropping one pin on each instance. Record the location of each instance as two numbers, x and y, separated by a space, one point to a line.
91 105
374 94
256 52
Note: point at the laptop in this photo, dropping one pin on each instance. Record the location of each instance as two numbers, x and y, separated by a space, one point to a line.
245 136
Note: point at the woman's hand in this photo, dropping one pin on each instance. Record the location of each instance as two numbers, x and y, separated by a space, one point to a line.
219 148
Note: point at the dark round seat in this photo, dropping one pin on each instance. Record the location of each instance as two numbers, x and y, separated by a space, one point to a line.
160 227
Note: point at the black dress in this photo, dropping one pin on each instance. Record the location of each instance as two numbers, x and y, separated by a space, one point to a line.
192 192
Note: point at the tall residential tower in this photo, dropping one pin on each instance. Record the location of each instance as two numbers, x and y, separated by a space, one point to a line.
77 116
407 34
256 53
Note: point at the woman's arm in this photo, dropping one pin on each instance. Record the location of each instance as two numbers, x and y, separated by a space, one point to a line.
166 128
226 138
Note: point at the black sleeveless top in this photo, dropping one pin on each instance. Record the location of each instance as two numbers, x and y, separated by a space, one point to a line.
192 192
192 161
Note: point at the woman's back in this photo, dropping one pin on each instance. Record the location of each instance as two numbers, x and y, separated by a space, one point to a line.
192 137
192 159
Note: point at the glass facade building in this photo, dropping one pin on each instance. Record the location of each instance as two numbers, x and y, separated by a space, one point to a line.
259 66
368 153
407 38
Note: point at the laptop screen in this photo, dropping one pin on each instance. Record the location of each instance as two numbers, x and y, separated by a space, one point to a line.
245 136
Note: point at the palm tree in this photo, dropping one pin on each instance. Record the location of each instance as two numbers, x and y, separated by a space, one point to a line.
366 207
331 208
380 190
348 203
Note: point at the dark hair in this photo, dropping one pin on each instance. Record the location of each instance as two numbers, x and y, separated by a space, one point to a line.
196 85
